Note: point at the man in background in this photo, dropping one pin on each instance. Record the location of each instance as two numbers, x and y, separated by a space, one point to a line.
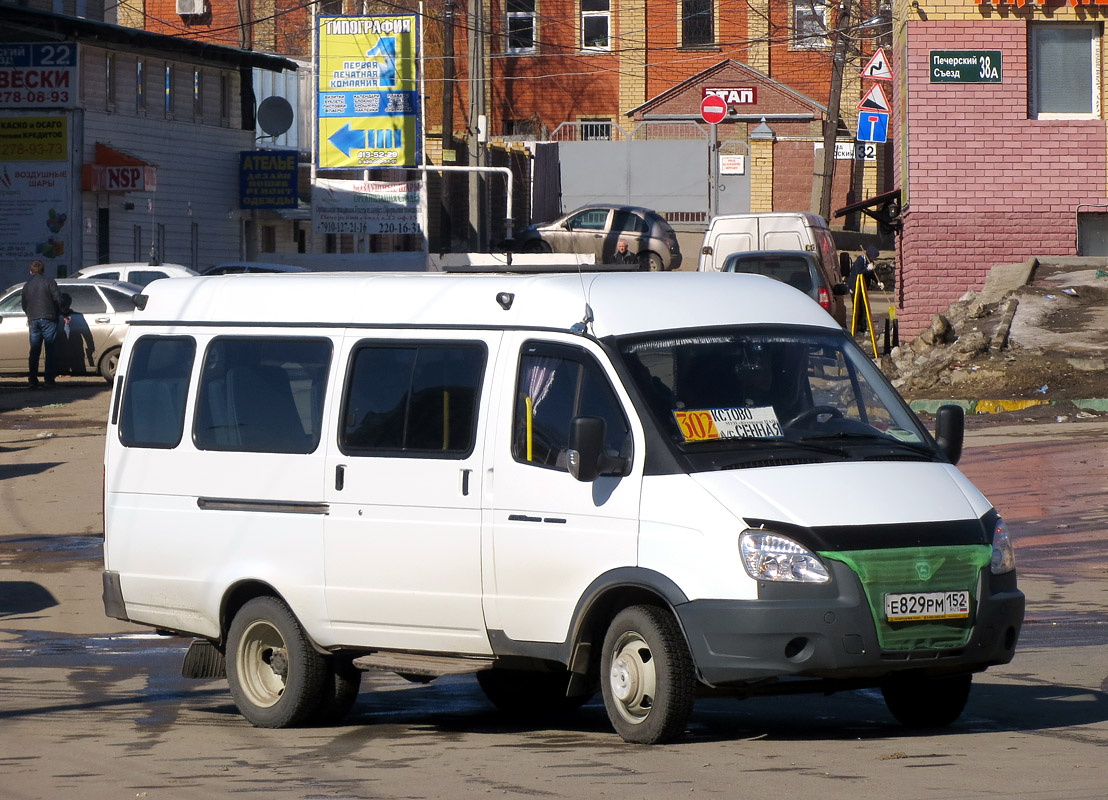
42 302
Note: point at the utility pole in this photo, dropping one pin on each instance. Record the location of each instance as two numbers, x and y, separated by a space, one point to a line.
831 124
448 155
477 121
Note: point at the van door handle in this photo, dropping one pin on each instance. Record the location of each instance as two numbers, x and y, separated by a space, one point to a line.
102 320
465 482
340 477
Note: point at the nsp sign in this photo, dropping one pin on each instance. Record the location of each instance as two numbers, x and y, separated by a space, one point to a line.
965 66
38 74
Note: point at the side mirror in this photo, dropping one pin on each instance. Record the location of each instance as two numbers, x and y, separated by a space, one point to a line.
950 431
840 289
585 456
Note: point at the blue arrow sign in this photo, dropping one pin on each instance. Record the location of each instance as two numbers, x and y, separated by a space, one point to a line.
347 139
873 126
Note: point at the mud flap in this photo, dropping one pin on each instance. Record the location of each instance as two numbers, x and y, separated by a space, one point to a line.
203 660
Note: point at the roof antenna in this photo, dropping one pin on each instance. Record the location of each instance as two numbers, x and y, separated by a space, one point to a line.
583 325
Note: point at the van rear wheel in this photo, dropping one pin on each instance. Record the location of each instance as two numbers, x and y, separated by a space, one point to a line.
647 676
276 676
927 702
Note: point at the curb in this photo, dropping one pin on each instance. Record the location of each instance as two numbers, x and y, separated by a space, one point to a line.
997 406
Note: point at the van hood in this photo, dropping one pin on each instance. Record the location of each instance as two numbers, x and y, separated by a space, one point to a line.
847 493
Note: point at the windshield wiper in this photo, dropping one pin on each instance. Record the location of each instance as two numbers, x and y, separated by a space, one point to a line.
874 438
751 446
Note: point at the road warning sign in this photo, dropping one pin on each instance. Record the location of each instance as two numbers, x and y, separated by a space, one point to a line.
878 67
874 100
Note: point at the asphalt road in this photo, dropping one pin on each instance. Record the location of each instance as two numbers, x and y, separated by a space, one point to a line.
91 707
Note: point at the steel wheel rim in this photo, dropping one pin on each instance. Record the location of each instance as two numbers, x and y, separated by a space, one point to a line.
633 679
262 661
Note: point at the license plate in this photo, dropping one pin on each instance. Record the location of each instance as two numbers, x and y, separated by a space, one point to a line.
926 605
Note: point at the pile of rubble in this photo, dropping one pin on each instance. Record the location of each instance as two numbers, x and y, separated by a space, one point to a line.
1045 338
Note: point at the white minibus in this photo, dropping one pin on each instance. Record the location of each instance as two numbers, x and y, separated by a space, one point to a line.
644 485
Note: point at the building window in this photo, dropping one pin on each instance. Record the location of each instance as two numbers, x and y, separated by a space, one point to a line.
109 80
197 94
810 24
140 89
596 130
224 99
269 238
595 18
168 88
521 26
1065 71
696 23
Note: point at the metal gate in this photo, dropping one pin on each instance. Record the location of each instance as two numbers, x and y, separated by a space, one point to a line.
661 165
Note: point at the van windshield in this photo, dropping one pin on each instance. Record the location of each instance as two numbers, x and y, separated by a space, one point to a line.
739 389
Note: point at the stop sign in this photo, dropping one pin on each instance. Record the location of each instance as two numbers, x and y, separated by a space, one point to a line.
713 109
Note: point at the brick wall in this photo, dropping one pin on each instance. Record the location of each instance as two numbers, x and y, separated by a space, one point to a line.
986 185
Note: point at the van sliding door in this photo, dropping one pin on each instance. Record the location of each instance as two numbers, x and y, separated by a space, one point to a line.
403 536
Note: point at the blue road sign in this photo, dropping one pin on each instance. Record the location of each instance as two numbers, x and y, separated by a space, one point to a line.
873 126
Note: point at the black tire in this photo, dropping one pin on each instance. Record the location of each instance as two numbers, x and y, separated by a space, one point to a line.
927 702
341 683
647 676
109 363
529 694
276 676
653 262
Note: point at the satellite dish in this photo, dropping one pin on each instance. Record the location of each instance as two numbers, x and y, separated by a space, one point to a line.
275 115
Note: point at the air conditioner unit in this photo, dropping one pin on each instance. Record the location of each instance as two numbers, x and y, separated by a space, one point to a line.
190 7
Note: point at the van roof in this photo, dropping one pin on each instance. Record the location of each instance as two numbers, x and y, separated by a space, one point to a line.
621 303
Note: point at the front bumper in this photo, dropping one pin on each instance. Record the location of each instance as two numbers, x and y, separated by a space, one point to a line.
828 632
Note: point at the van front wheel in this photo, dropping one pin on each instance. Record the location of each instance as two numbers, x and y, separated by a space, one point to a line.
276 676
647 676
927 702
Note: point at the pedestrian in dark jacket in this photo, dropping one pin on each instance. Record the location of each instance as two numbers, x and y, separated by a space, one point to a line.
623 255
42 303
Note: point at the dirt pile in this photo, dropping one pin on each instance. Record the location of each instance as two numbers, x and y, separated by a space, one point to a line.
1046 339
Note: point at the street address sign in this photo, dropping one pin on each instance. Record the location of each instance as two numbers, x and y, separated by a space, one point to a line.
713 109
965 66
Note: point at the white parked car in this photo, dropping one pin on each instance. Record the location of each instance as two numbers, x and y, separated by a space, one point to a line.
137 272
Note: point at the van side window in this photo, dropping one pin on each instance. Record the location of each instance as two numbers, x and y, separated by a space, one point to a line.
413 399
153 412
262 395
555 385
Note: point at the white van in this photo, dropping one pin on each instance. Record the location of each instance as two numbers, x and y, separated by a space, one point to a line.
646 485
778 230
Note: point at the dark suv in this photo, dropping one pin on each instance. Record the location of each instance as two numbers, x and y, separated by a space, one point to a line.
800 269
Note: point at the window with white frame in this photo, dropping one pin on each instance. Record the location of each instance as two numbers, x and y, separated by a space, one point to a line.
1065 71
595 24
596 130
811 20
521 26
697 23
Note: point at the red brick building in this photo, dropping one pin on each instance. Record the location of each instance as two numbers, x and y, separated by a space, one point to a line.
592 62
1001 145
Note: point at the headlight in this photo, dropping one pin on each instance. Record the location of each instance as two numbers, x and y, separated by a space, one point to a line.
772 557
1004 556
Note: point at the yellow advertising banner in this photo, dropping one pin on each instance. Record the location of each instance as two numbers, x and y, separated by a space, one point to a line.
34 138
368 93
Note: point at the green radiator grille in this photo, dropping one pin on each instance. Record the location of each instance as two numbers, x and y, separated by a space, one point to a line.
918 569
